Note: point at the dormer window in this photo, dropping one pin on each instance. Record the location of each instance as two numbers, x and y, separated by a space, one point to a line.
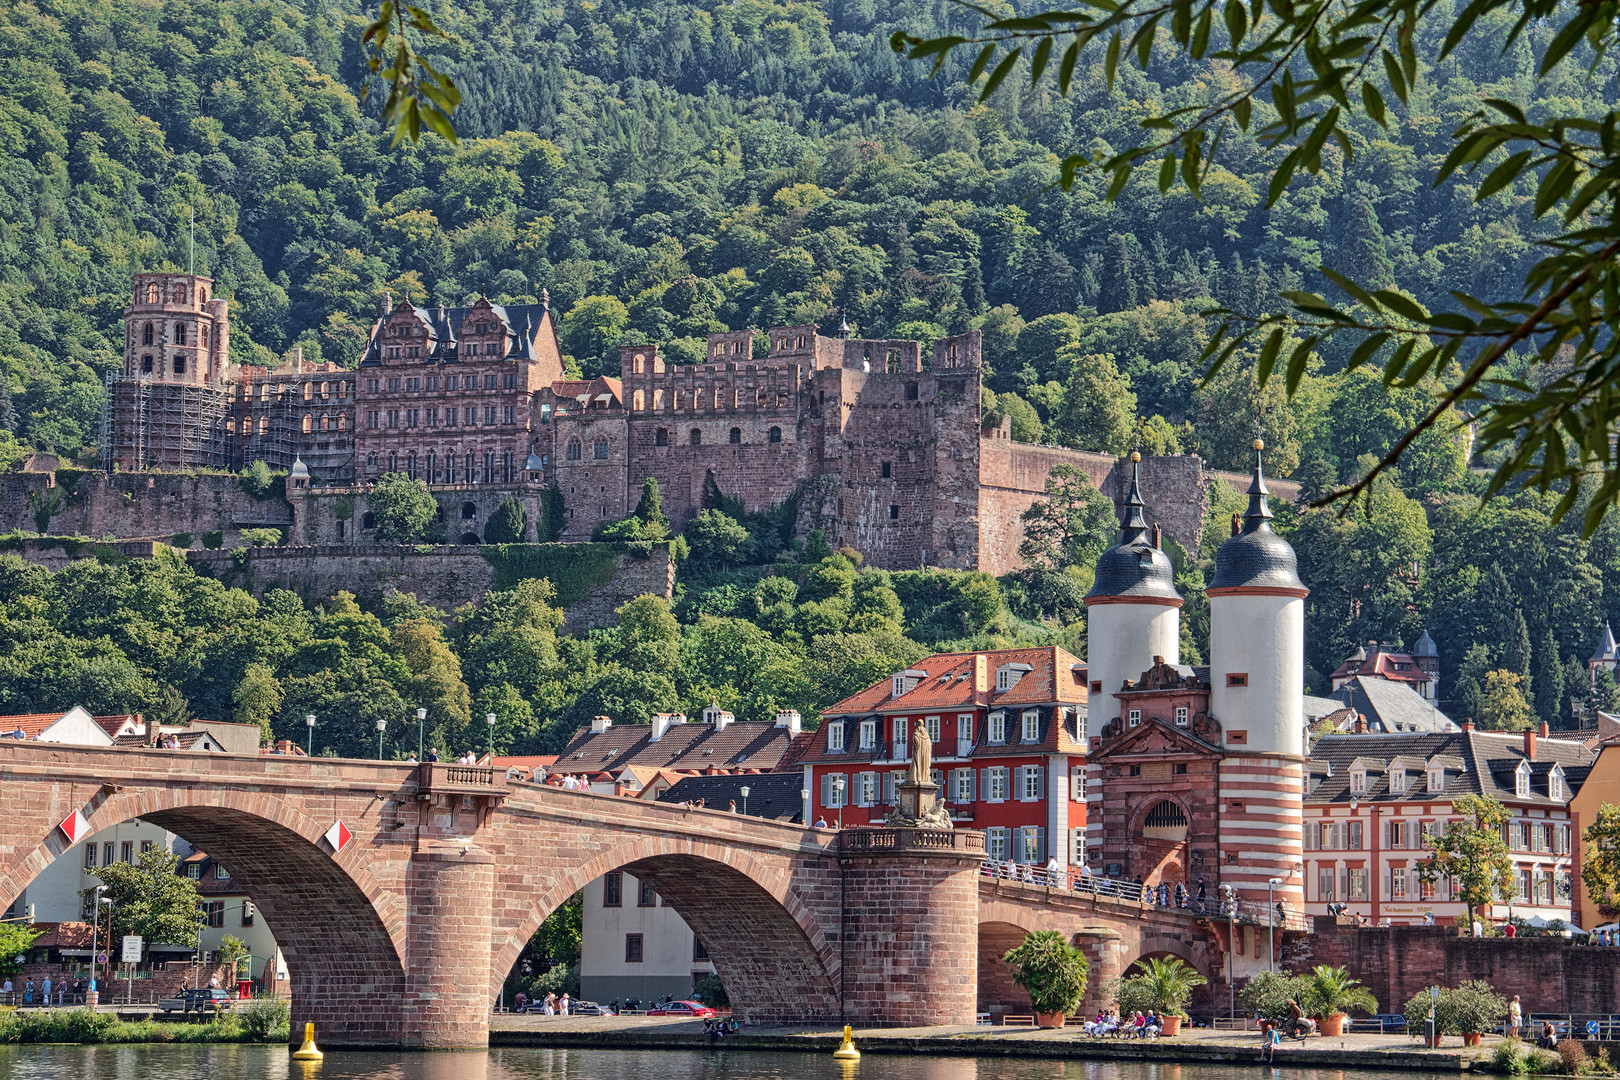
905 682
835 738
1135 717
998 727
1358 781
1521 779
1556 789
1437 778
1397 781
868 734
1181 716
1007 675
1032 726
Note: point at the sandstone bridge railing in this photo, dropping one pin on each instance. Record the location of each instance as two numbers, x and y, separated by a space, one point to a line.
1129 899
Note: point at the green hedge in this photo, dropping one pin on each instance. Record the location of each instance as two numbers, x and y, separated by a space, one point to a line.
84 1026
573 569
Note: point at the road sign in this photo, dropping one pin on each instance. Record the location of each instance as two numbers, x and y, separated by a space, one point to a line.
101 958
74 827
338 836
132 949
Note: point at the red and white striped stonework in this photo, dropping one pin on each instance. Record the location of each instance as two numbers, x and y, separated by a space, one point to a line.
1262 825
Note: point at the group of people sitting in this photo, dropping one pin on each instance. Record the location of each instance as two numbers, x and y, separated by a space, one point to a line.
1138 1025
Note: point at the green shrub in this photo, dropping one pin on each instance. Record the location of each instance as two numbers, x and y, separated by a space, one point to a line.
507 524
272 537
1267 994
259 480
264 1018
1509 1058
711 991
1573 1056
181 540
213 540
1050 970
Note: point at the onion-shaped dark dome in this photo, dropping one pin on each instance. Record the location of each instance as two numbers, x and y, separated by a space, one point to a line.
1256 557
1425 646
1134 567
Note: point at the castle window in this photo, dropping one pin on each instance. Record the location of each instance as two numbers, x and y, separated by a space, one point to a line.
489 382
697 437
151 294
735 437
489 415
1237 679
146 365
472 350
308 390
506 467
371 418
638 400
410 464
911 391
509 416
205 337
202 296
489 466
600 451
179 294
393 384
179 365
146 334
892 361
888 469
1181 716
432 468
894 512
661 437
575 450
468 464
393 418
371 461
469 511
393 462
368 520
775 435
309 423
510 380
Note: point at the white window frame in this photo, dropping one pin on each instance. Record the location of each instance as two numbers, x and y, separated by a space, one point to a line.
1397 782
902 739
998 784
1031 785
1437 780
962 786
964 734
1555 784
1077 783
1521 780
1135 717
1030 726
868 734
835 738
1358 781
1004 679
1183 716
869 786
998 727
933 728
995 843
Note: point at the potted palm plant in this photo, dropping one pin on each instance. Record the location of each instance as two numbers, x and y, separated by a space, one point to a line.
1333 993
1164 985
1053 973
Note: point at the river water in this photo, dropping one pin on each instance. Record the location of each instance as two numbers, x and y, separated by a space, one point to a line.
147 1062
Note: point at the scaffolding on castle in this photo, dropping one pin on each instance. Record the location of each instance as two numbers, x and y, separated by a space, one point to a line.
163 427
270 428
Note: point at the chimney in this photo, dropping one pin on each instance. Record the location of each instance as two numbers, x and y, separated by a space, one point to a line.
722 720
662 722
1468 725
981 673
1530 744
789 719
1361 724
600 724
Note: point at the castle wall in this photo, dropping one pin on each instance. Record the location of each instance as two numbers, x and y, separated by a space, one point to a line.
446 576
135 505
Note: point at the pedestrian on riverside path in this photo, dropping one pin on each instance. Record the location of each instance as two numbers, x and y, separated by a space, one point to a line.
563 1008
45 998
520 1001
1515 1017
28 992
78 992
1054 872
8 991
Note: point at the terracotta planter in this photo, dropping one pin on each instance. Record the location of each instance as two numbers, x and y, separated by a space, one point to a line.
1435 1041
1049 1020
1172 1025
1471 1038
1332 1025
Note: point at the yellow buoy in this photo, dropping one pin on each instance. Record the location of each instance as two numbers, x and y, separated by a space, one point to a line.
308 1051
846 1050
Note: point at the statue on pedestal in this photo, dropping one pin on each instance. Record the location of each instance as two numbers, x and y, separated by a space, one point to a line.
917 795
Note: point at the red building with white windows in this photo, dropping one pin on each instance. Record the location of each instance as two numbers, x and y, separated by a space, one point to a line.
1008 733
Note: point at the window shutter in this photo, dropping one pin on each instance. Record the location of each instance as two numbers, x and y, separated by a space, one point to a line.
826 789
972 775
985 780
1040 844
1040 782
1018 844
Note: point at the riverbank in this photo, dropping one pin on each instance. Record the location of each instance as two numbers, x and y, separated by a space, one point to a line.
1200 1046
80 1025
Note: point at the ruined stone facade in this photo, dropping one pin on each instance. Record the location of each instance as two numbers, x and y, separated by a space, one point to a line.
879 441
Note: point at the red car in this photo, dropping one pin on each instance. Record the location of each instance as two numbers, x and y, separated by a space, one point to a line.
682 1008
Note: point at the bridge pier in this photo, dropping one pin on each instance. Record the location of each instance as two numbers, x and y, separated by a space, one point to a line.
450 892
910 926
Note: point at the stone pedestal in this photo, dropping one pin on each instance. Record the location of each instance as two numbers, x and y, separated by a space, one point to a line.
910 925
916 799
451 890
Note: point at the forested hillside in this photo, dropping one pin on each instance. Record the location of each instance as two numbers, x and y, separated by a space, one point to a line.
668 168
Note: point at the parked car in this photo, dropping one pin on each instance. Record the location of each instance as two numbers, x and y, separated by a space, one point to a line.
588 1008
692 1009
204 999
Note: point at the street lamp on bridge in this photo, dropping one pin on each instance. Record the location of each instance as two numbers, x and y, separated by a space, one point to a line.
838 793
745 800
421 726
1271 943
382 726
489 721
309 746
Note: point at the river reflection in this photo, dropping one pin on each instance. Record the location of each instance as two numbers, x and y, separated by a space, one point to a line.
273 1063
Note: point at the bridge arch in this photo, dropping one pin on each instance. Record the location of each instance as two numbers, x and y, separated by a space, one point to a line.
764 940
339 928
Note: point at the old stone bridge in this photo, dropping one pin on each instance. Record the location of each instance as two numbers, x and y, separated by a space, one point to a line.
404 937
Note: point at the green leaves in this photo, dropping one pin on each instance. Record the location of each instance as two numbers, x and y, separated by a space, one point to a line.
419 95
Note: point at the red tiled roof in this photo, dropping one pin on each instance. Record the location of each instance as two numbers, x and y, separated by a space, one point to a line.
801 745
1383 665
62 935
526 761
31 724
749 745
960 680
114 724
